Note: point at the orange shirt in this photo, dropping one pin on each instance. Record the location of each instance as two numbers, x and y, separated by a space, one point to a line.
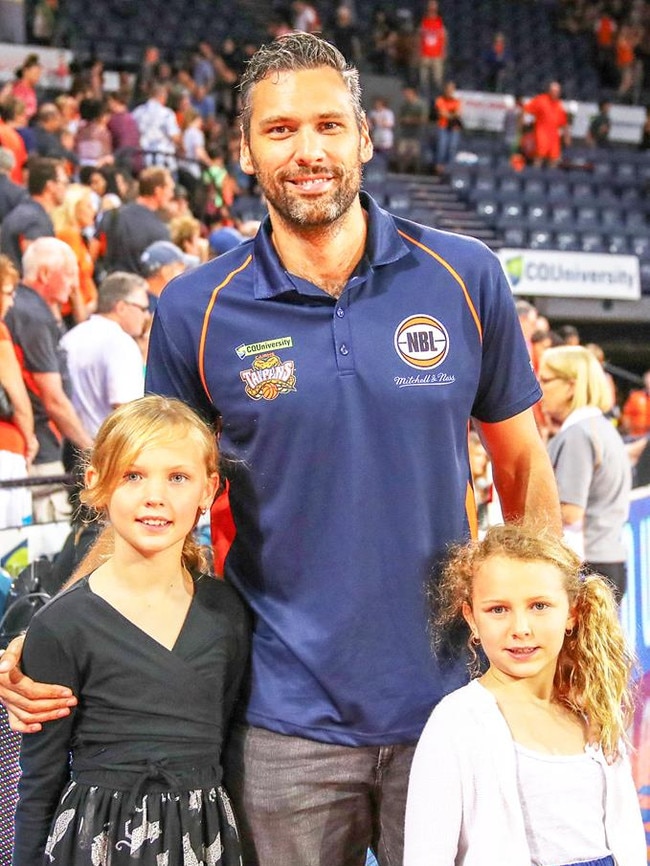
72 237
11 439
636 413
13 141
449 106
432 37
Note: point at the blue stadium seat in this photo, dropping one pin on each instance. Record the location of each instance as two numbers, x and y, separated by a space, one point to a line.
567 241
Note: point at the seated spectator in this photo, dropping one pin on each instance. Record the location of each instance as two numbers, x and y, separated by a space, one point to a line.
11 194
74 223
31 219
160 262
93 144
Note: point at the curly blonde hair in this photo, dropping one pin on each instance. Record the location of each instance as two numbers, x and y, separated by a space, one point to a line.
593 673
151 420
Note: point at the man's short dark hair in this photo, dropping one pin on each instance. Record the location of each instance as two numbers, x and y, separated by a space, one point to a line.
293 53
42 169
151 179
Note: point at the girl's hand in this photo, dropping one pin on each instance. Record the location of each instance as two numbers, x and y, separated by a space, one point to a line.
29 703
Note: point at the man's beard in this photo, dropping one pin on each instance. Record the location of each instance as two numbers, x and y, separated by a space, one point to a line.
311 212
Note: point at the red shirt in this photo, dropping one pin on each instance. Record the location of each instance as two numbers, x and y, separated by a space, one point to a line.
433 40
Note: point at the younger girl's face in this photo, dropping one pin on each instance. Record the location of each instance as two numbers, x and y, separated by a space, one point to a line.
520 611
157 500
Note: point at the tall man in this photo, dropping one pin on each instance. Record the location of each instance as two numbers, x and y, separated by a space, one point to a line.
343 351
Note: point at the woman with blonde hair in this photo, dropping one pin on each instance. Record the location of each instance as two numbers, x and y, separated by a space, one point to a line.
591 467
74 223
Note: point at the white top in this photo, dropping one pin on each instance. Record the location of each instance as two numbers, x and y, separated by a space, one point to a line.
563 803
463 806
105 367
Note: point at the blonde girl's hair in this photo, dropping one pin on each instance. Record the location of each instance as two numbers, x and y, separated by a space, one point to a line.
65 216
578 365
149 421
593 674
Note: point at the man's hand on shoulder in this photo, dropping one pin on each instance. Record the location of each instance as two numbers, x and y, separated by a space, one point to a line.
28 703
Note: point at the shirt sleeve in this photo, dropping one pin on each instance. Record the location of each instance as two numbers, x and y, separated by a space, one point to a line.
573 463
44 756
434 805
172 369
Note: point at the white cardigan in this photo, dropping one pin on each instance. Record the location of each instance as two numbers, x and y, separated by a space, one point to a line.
463 806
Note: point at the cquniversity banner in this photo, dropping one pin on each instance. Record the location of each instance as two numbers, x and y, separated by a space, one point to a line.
571 275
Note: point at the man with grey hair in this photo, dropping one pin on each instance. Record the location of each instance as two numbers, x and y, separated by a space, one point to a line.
11 193
50 272
104 360
342 351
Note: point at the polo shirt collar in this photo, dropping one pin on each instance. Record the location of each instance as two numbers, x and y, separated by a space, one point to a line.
383 246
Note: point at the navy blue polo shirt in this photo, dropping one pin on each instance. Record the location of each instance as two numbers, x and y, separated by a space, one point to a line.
346 421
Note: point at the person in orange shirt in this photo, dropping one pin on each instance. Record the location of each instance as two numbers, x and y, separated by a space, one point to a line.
551 124
433 50
12 115
448 108
72 221
636 410
626 42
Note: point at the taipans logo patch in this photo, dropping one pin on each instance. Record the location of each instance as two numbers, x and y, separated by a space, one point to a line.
268 377
422 342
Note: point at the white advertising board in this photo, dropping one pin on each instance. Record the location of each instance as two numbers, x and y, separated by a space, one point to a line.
571 275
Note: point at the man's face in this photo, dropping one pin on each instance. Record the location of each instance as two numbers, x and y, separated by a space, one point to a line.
305 146
165 193
133 313
59 186
57 283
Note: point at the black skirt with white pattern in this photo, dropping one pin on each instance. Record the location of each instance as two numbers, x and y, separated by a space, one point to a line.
149 819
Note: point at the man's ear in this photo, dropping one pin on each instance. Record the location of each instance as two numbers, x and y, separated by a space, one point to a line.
245 160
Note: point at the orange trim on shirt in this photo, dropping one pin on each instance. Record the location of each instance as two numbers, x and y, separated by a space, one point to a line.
470 509
206 320
455 275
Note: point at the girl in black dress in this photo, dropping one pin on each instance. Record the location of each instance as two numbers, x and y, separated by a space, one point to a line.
155 650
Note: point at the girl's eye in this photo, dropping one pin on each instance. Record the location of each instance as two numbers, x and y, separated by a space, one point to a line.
498 608
178 477
540 605
132 476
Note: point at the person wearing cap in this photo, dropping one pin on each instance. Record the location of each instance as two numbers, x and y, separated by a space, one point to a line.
160 263
130 229
223 239
11 194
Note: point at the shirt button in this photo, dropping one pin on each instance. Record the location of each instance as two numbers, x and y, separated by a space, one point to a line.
344 349
340 313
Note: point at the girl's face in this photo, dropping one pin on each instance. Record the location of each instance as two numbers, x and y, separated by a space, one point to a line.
520 611
85 212
156 502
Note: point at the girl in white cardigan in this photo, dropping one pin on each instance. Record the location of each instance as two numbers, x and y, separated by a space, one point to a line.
527 764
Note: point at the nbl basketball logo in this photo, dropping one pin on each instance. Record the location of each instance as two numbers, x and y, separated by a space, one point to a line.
421 342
